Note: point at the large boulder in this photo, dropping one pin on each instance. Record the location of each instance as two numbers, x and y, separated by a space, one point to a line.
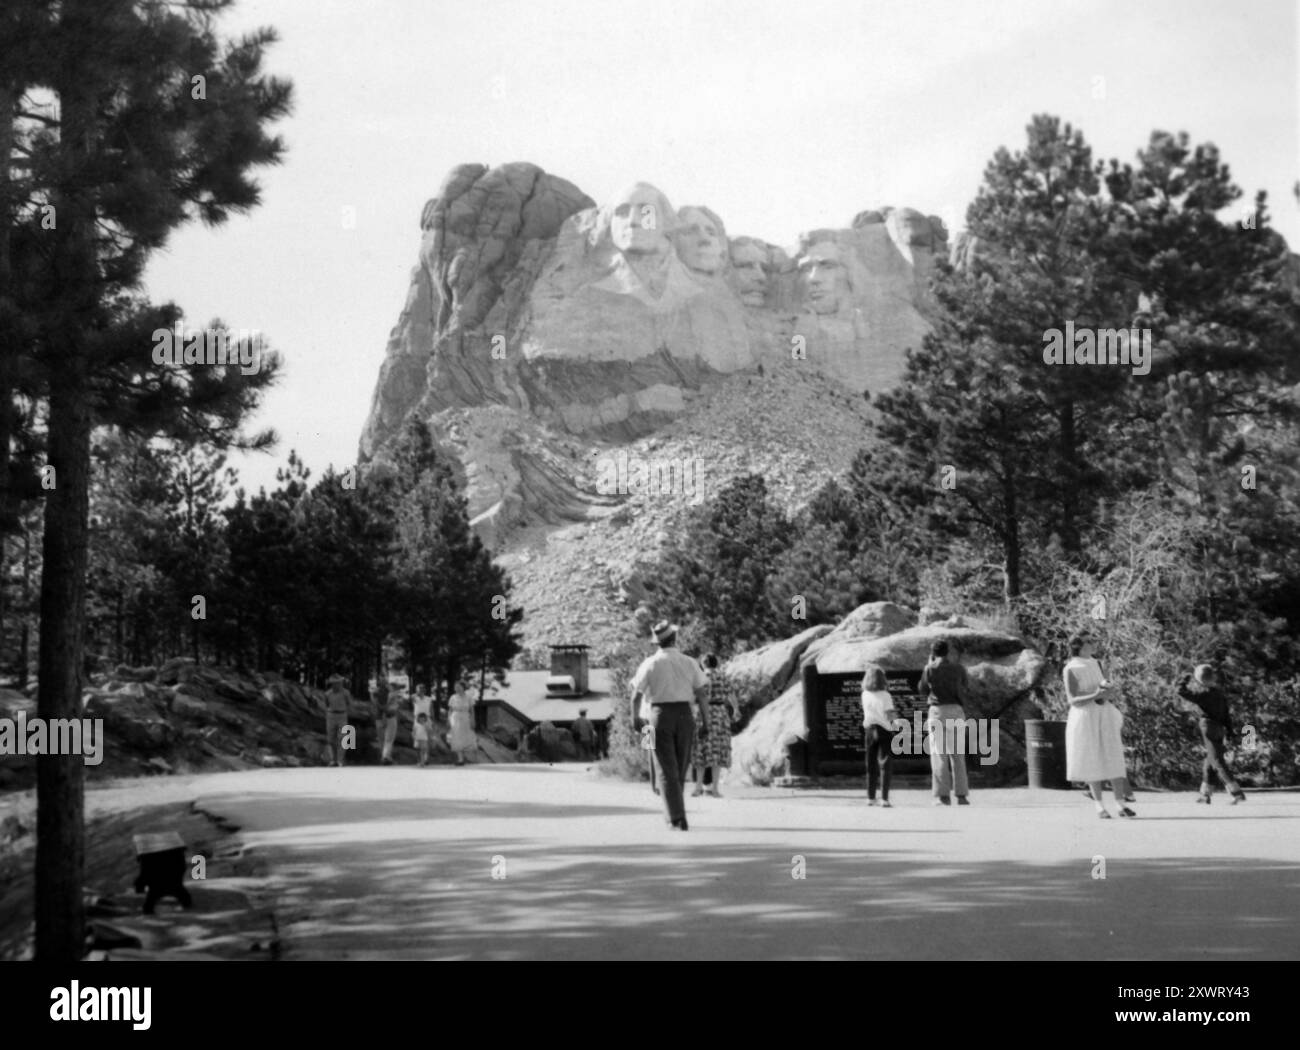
126 673
290 696
177 669
865 623
909 650
759 752
138 723
761 675
1003 671
191 709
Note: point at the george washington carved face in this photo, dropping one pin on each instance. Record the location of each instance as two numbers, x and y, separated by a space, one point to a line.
642 221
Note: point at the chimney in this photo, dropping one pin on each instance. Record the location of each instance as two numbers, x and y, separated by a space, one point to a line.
568 670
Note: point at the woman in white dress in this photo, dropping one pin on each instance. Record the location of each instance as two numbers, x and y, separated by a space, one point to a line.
390 713
462 737
1094 748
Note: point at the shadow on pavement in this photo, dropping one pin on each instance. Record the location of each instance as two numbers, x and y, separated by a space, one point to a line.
684 900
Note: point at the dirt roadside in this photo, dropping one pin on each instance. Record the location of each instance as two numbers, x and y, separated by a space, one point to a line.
230 917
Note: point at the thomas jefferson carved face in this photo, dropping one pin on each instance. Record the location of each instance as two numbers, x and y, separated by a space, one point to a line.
642 221
701 242
825 278
749 267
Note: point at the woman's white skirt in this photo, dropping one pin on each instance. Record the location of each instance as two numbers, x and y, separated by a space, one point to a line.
1094 747
462 731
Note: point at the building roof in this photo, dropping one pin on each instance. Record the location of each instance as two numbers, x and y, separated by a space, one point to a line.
525 691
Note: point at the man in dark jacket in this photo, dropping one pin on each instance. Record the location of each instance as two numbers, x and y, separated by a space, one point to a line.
1216 724
947 685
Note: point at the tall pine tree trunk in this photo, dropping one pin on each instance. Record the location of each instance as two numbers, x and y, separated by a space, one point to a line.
25 634
60 779
1010 538
9 349
1071 540
119 633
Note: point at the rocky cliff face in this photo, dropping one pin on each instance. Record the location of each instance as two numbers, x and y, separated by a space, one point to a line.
542 334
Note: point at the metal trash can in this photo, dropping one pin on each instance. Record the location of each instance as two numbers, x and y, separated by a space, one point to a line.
1045 753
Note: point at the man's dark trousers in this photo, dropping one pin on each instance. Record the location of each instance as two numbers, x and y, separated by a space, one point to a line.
1212 734
674 727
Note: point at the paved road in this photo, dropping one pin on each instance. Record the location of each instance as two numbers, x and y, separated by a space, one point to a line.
400 863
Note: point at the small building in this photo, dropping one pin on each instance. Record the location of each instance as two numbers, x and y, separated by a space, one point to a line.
529 698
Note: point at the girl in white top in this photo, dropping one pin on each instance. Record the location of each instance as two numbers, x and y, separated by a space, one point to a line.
421 705
1094 748
878 718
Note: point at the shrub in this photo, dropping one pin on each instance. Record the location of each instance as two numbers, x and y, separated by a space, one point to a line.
627 760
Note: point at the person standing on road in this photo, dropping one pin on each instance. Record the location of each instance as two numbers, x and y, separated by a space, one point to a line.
389 716
671 681
878 720
946 683
1094 746
1216 724
378 705
713 750
584 735
421 728
337 701
461 737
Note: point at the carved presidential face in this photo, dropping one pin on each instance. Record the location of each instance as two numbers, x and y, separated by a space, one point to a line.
701 243
910 227
749 268
641 221
825 278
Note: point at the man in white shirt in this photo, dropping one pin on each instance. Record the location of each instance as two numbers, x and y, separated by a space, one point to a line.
672 681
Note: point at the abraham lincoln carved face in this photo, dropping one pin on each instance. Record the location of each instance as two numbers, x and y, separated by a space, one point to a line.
824 277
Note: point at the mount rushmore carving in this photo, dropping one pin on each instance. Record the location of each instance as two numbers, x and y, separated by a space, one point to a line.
598 318
535 305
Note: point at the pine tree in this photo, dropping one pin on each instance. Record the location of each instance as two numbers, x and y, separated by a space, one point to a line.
193 559
128 152
456 619
128 532
716 571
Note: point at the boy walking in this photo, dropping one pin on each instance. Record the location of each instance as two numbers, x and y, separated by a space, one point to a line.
1216 725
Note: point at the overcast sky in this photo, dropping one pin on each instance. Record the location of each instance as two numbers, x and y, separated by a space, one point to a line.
782 116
